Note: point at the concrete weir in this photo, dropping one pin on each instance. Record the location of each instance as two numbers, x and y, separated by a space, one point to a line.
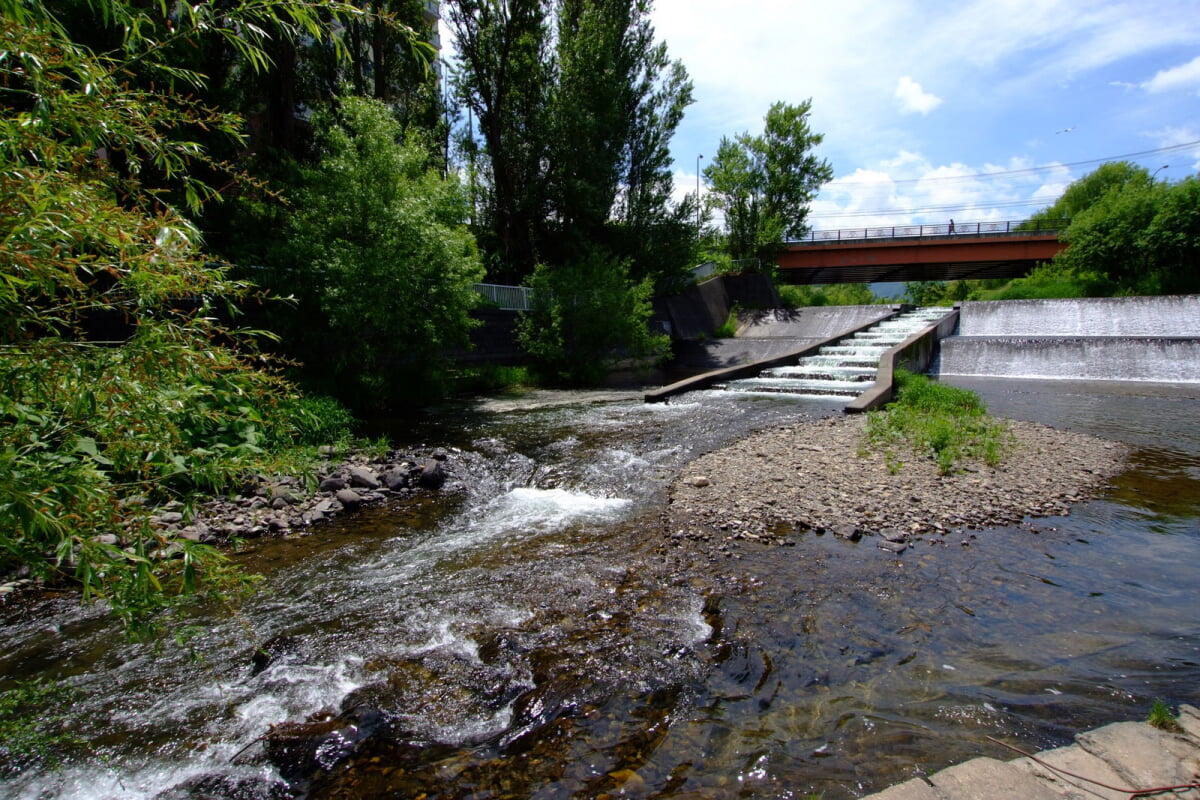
1119 339
1117 761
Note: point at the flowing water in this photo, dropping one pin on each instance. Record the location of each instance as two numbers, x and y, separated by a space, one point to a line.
844 369
532 635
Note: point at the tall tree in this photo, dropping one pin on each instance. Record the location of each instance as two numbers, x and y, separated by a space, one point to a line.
576 105
382 253
506 74
763 184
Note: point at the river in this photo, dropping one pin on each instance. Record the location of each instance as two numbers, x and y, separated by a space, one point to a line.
531 635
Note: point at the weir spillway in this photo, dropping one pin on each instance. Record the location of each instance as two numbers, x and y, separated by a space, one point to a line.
1154 339
845 368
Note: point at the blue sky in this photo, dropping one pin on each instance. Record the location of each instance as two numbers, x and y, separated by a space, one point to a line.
917 98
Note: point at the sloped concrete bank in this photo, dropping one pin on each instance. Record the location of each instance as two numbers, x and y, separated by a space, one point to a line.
1118 761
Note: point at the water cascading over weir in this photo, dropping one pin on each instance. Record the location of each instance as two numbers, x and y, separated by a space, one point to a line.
855 365
843 369
1153 339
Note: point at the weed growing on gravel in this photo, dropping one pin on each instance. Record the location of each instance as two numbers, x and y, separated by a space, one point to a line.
946 423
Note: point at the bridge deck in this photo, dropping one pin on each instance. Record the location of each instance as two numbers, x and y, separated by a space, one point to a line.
918 253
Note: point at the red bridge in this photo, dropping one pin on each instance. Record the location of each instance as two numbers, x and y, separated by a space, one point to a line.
972 250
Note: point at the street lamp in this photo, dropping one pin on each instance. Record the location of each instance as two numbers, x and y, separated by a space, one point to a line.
698 196
1160 169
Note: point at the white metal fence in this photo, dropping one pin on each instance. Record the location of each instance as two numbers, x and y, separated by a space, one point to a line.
506 298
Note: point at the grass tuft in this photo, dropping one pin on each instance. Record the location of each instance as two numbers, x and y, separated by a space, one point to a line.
945 423
1161 718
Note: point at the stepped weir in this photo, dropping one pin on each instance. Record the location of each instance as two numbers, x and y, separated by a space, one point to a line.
845 368
854 365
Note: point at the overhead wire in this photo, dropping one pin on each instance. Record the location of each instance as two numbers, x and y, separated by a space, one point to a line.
1175 148
968 206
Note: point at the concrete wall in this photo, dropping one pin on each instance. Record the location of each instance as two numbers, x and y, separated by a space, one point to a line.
818 322
1112 339
704 307
1099 358
494 341
1099 316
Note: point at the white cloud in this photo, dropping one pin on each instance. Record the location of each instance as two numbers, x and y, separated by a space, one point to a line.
913 99
908 189
1184 76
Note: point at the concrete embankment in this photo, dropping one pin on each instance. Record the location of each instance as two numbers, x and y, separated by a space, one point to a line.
769 333
1120 339
1116 762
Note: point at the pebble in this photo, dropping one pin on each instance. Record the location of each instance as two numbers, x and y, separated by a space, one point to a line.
812 477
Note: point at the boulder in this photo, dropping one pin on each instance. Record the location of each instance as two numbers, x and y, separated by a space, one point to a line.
333 484
432 475
364 478
349 499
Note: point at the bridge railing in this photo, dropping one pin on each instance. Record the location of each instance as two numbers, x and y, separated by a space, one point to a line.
507 298
993 228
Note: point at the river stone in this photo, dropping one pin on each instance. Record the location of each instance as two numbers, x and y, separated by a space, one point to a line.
396 479
364 478
110 539
700 481
891 547
349 498
170 517
843 531
272 650
432 475
333 484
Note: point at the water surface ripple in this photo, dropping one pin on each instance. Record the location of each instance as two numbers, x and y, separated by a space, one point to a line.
532 638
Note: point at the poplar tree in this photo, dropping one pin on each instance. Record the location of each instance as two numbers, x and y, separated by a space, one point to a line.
764 184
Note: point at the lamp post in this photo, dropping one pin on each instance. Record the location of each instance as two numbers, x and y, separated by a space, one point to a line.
698 230
1160 169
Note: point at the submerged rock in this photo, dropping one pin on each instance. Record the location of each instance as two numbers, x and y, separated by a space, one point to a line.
227 787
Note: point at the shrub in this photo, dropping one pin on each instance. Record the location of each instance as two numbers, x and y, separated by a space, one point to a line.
587 316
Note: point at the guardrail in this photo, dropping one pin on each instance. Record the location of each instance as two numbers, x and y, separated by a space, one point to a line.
506 298
1000 228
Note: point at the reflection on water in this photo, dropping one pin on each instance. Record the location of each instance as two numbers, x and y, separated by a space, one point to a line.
535 639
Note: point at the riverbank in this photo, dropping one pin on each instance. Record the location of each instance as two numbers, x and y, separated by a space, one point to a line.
278 505
818 477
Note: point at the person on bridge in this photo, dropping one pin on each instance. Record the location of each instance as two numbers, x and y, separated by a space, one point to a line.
951 227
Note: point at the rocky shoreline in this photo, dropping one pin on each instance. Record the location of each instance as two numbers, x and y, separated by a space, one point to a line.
816 477
282 505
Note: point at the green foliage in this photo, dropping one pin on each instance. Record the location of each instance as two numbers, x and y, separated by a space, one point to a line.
1128 235
926 293
727 329
835 294
1045 282
488 378
117 376
1162 718
33 726
576 105
945 423
763 184
315 420
587 316
380 250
